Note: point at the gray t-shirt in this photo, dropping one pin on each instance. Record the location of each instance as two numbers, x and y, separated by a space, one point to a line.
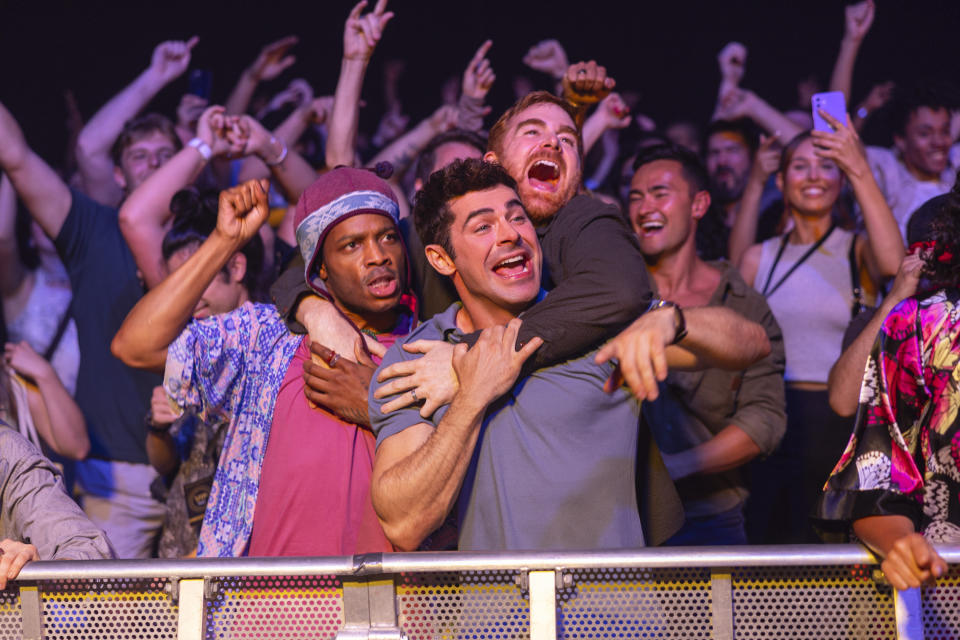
555 462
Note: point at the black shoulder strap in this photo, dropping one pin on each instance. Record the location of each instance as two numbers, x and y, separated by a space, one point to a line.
855 278
61 329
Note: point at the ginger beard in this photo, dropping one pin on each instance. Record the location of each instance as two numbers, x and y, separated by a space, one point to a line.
542 153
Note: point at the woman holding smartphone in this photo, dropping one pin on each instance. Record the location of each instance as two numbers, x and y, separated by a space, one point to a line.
815 277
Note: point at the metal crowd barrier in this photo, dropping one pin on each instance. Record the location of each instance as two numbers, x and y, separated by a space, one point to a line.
815 591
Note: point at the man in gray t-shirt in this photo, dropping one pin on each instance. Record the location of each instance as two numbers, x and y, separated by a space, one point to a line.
554 467
544 463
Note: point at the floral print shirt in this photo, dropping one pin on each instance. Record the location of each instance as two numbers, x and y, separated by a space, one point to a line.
903 457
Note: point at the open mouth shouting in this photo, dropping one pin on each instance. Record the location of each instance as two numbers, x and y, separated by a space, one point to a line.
544 174
382 283
514 266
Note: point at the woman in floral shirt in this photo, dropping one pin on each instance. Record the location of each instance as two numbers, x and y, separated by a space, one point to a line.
898 482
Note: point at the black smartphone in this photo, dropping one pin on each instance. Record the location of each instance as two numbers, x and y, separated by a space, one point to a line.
201 82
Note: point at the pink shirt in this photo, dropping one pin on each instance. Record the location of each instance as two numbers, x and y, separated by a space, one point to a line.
314 497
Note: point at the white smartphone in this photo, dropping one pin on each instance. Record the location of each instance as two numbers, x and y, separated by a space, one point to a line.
833 103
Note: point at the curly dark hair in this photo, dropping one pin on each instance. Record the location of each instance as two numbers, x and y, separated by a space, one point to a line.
943 262
431 210
934 94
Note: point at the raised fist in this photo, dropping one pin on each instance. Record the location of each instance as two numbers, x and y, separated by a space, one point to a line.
733 62
549 57
587 83
242 210
857 20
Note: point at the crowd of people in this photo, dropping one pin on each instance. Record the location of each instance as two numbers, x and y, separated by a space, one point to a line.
256 330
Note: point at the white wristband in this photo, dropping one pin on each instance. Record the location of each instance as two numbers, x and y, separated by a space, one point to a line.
202 147
283 153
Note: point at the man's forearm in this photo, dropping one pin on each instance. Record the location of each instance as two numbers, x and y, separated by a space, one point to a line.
718 337
103 128
774 122
402 151
414 495
145 214
345 114
842 77
159 317
241 94
728 449
101 131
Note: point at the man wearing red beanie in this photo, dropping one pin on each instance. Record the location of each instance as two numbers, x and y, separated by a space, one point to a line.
293 479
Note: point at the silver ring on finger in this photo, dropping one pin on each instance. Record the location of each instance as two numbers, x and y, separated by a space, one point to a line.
413 394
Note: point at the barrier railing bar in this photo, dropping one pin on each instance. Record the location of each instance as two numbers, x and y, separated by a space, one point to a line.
543 605
191 615
721 595
390 563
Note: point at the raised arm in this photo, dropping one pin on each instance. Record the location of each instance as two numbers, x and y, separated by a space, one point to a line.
361 34
744 232
883 249
145 215
41 189
286 166
417 473
738 103
169 61
159 316
585 84
611 115
857 21
404 150
549 57
846 375
270 63
476 83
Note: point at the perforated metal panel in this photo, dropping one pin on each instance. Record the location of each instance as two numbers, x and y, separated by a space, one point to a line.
275 607
11 625
108 610
941 607
481 605
635 603
811 602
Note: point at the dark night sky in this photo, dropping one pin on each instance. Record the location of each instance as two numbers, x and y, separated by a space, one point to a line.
665 50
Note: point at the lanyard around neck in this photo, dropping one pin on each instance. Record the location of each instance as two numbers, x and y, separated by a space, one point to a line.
767 291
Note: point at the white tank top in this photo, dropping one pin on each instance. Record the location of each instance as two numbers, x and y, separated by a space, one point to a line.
813 305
